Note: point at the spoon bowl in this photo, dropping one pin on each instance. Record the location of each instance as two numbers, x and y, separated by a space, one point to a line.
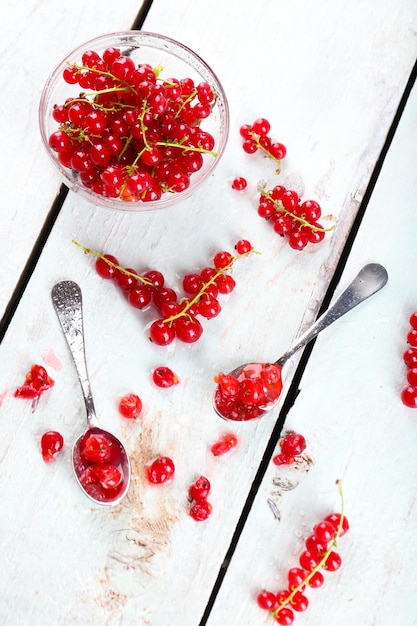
253 389
104 480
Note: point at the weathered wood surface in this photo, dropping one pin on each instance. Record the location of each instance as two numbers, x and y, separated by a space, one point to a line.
330 82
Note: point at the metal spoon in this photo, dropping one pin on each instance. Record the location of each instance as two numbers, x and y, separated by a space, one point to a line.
67 301
369 280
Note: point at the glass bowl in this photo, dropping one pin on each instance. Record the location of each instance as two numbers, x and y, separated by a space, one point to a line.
139 122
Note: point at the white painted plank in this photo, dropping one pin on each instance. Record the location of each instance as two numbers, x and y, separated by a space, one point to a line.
357 430
34 38
147 562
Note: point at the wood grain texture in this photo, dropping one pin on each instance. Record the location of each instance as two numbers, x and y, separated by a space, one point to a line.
330 81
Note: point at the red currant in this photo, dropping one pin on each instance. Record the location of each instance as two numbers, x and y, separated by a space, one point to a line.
239 184
130 406
201 510
293 444
267 600
52 442
164 377
109 476
200 489
409 397
161 470
96 449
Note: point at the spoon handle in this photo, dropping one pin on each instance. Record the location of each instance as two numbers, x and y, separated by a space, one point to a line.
67 301
369 280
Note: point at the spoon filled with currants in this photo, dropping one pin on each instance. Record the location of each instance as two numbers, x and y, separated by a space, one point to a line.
253 389
100 461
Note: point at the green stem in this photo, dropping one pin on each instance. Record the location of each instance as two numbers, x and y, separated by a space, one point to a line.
122 269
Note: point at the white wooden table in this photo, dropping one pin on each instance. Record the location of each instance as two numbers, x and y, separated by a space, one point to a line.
336 83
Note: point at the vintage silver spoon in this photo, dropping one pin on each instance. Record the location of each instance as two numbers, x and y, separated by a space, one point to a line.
369 280
67 301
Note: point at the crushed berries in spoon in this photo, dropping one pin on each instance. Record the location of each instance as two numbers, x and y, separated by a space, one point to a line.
249 394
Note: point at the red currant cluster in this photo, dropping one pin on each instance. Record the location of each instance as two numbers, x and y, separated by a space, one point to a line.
160 471
409 393
225 444
290 217
292 445
131 134
249 394
52 442
36 382
97 463
256 137
198 492
318 554
179 318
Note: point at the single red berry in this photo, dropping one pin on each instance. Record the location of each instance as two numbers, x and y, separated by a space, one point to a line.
52 442
239 184
285 617
261 126
410 357
201 510
130 406
222 259
412 376
200 489
96 449
282 459
296 577
109 476
412 337
188 329
334 518
267 600
299 602
316 580
333 562
164 377
413 320
314 544
293 444
409 397
243 246
309 560
105 266
161 333
161 470
324 531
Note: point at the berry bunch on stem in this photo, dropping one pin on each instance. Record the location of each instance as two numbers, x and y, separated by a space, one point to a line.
256 138
131 133
178 318
319 554
409 393
291 218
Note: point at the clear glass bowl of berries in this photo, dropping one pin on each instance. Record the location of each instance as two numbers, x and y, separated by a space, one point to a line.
134 120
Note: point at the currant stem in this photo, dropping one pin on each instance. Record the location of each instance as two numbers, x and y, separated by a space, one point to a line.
269 155
280 208
122 269
307 579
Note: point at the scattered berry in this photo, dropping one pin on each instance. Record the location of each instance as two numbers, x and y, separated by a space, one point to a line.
160 471
130 406
164 377
201 510
226 443
36 382
52 442
239 183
